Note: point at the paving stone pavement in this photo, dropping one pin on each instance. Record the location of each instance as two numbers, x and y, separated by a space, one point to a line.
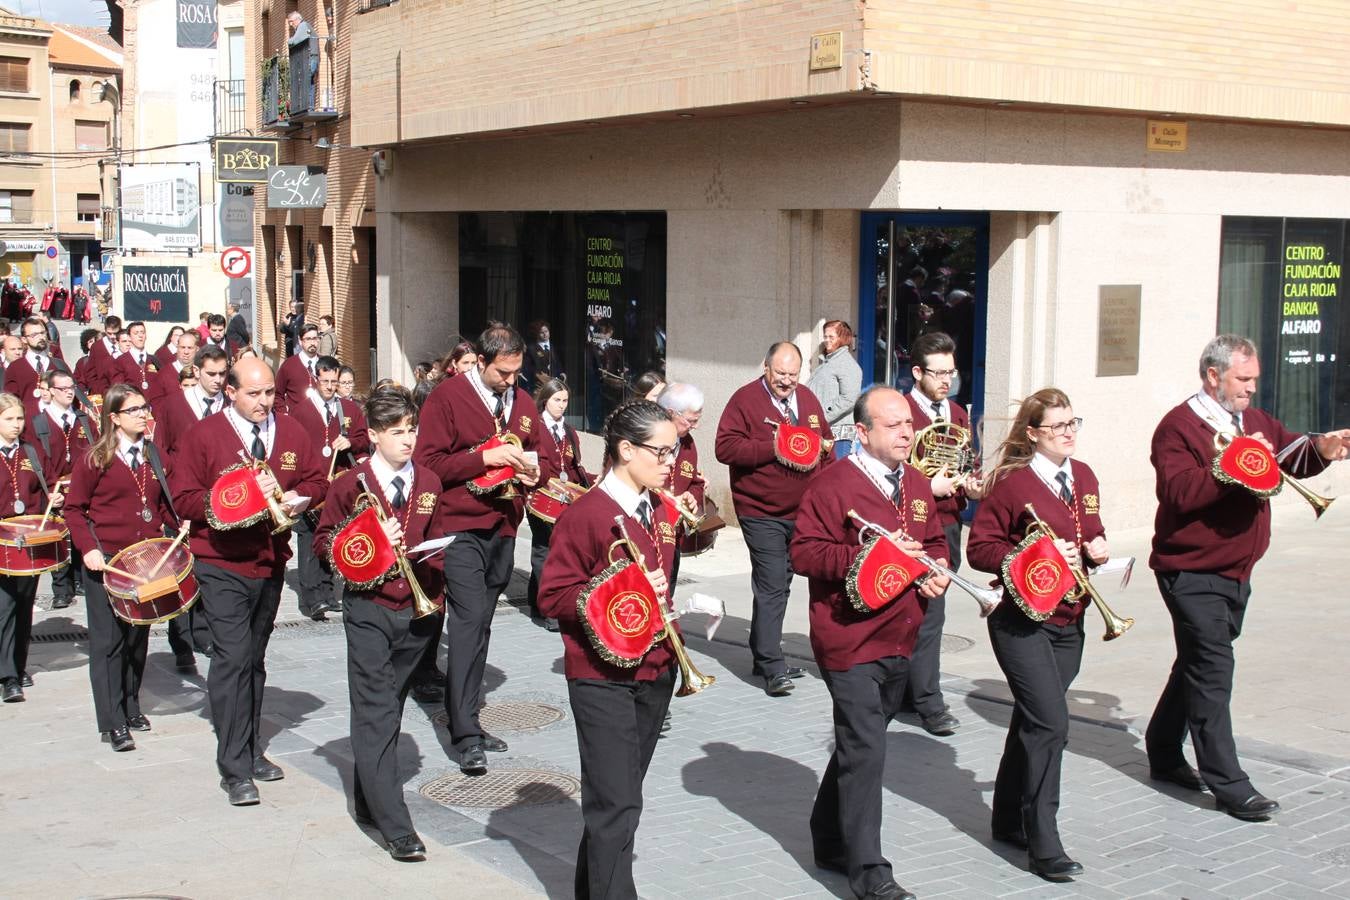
727 796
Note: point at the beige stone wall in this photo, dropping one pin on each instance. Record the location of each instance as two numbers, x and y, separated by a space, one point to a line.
76 176
26 38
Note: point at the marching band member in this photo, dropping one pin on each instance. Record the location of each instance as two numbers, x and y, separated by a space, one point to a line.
765 491
684 403
618 711
385 639
1208 536
559 457
240 570
864 656
116 500
103 358
1040 659
63 432
168 351
170 372
138 367
23 378
21 490
463 413
298 375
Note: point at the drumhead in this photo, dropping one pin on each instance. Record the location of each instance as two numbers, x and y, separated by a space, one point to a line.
139 559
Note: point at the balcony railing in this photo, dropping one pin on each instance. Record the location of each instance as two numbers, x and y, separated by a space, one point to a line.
275 93
231 108
311 83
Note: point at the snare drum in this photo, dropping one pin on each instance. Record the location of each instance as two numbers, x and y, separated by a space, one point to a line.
25 550
171 592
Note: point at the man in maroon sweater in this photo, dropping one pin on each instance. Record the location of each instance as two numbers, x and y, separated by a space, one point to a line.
864 657
179 411
102 358
166 379
62 431
462 413
1207 539
240 570
298 374
22 377
138 367
765 493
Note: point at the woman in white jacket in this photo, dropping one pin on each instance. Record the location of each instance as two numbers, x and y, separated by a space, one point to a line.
836 379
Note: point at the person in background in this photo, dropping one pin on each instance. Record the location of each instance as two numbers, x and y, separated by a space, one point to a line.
559 457
168 351
649 386
347 384
542 362
187 378
237 330
328 345
203 326
460 359
836 381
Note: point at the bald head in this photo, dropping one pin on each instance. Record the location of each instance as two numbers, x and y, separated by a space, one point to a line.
782 368
12 347
885 425
252 389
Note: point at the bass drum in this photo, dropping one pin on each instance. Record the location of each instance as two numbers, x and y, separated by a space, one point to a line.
147 599
26 550
702 539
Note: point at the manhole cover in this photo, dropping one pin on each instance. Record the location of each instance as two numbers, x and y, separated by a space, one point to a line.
955 643
501 788
512 715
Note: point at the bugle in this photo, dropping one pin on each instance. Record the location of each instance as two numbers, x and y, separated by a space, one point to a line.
280 521
422 604
691 519
986 597
1115 625
1265 459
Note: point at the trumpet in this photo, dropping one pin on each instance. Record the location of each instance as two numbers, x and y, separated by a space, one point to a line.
1115 625
1319 503
691 679
691 519
280 521
422 604
987 598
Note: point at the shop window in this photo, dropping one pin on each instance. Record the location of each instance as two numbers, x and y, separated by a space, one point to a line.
597 280
1281 284
16 206
14 136
86 207
14 74
91 135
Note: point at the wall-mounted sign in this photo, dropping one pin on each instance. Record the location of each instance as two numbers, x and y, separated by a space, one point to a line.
1118 307
196 23
245 160
13 246
161 206
155 293
235 262
297 187
1166 136
827 51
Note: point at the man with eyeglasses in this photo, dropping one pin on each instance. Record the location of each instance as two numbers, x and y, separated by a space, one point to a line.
687 485
298 375
63 432
766 493
23 378
934 356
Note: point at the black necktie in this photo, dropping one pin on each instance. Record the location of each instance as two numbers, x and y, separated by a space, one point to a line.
1064 493
500 409
1237 423
206 406
894 479
40 367
644 514
788 413
937 411
10 450
259 449
65 425
558 434
399 500
134 458
311 369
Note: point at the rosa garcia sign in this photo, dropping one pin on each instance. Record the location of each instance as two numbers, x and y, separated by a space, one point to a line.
155 293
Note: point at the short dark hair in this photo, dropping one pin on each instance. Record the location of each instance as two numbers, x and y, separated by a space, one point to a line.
551 387
934 343
131 325
215 319
88 336
113 322
188 372
499 340
54 373
327 364
862 414
32 320
307 328
327 320
388 406
210 353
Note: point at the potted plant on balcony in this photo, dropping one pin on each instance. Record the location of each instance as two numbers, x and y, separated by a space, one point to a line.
277 67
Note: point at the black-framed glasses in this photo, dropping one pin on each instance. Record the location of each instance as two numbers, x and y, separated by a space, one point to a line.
63 388
1062 428
141 410
662 454
940 373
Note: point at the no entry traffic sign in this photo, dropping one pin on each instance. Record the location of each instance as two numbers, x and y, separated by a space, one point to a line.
235 262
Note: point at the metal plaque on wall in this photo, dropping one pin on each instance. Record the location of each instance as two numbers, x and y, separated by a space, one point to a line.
1118 309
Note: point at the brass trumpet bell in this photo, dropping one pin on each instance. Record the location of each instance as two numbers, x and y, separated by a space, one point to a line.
691 679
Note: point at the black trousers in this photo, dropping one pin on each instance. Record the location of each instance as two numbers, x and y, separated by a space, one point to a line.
618 724
846 817
770 580
1207 612
1040 661
189 632
383 650
65 578
925 665
316 584
16 623
116 658
240 612
540 534
478 568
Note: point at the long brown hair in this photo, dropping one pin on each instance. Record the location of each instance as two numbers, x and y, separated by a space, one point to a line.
1017 449
104 450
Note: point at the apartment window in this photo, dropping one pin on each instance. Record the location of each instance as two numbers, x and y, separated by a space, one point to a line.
14 74
91 135
16 206
14 136
75 90
86 207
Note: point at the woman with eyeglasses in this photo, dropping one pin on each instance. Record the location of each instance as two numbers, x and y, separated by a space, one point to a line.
1039 659
115 501
618 710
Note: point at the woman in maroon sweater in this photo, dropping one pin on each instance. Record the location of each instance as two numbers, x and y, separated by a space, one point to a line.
1039 659
115 501
21 490
618 711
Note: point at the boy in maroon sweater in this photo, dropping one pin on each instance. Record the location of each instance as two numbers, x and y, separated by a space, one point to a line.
1207 539
864 657
462 413
240 570
766 493
385 636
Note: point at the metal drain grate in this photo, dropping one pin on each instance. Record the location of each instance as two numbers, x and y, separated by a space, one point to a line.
512 715
501 788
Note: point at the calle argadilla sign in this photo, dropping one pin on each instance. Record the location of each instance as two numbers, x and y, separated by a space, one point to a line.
245 160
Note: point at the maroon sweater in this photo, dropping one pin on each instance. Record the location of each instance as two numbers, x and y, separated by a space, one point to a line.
21 380
555 459
103 509
30 491
174 416
99 372
165 356
760 485
825 545
293 382
1002 521
949 508
1202 525
353 424
577 553
454 420
59 459
421 524
685 475
143 377
212 446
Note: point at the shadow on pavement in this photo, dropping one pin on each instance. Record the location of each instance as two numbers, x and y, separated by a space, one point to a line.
549 814
338 754
772 794
924 771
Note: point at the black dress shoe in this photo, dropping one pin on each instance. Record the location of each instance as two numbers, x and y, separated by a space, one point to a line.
25 680
428 692
1182 775
1254 809
185 662
266 770
62 602
408 848
795 672
941 724
1016 838
319 615
473 761
138 723
665 724
121 739
888 890
493 744
778 685
12 692
242 793
1058 868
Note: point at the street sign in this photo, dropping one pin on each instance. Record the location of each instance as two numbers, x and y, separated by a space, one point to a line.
235 262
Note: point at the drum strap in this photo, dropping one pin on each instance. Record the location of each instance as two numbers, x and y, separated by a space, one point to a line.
576 457
43 432
29 452
157 466
80 395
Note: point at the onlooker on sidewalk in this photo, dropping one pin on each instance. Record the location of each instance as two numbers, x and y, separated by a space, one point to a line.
328 345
